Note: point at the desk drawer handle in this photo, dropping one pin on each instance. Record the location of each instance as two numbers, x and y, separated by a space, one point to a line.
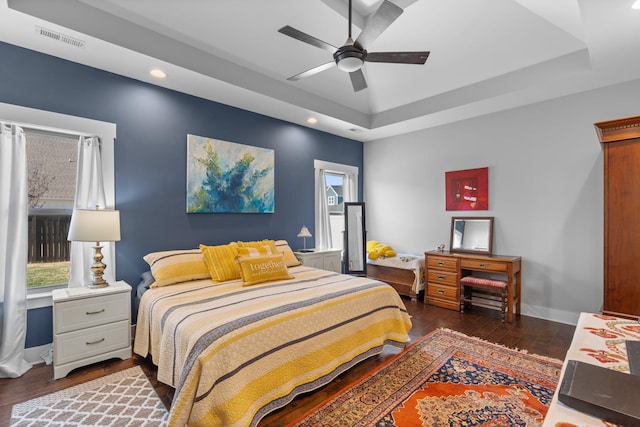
95 342
441 263
483 265
441 291
441 277
89 313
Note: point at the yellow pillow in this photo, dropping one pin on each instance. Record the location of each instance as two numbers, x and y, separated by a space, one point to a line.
289 258
258 243
170 267
257 251
263 269
221 261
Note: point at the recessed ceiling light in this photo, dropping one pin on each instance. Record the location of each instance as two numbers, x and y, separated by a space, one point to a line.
312 120
158 73
636 5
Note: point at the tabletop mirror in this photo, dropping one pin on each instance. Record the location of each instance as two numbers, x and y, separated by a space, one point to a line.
472 234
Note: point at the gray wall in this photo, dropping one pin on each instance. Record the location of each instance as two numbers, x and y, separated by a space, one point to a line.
545 192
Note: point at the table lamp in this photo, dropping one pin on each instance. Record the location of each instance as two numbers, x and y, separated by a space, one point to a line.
99 225
304 233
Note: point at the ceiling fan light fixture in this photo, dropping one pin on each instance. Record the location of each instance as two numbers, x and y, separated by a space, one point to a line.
349 58
350 64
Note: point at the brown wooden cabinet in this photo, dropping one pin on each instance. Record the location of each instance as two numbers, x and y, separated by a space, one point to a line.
620 141
442 284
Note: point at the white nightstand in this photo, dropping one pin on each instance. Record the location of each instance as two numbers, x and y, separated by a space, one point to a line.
90 325
325 259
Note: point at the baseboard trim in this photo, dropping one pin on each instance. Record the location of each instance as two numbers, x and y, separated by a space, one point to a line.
34 355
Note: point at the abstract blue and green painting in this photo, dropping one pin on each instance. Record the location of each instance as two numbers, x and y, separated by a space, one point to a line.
226 177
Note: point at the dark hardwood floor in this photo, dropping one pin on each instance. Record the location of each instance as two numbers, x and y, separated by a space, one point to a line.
534 335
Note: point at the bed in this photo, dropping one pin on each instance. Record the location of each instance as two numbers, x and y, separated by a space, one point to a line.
404 272
234 353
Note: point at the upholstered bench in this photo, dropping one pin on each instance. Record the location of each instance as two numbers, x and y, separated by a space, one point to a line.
493 291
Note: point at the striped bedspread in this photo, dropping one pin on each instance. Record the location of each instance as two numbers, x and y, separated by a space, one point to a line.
236 353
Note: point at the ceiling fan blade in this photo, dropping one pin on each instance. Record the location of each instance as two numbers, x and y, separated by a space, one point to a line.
398 57
357 80
379 21
306 38
312 71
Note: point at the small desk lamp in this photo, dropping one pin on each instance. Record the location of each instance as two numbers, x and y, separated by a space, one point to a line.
97 226
304 233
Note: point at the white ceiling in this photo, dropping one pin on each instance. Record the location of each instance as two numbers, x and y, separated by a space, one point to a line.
486 55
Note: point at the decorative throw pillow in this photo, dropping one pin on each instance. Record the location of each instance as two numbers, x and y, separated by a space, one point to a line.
258 243
289 258
254 251
263 269
171 267
221 261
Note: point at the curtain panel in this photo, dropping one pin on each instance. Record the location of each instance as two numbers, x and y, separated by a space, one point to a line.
90 194
323 221
14 211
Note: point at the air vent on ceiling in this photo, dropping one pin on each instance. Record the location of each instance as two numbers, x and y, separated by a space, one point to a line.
63 38
357 130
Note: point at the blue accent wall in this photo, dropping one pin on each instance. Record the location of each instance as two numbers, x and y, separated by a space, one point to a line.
39 327
150 154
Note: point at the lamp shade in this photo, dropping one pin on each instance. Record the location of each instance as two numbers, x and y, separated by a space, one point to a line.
94 225
304 232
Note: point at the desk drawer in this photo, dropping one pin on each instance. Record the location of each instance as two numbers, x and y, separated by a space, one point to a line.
442 291
481 265
443 277
442 262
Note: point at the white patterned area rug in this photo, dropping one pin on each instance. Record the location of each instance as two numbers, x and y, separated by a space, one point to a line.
122 399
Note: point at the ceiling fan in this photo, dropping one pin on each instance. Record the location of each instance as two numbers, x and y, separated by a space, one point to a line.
352 55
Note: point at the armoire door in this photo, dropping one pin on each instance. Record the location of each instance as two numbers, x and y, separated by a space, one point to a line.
621 144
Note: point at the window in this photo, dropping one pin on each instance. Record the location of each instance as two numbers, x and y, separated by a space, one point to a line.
51 172
340 185
334 184
63 124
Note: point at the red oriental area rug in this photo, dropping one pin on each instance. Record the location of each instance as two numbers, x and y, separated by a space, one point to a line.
446 379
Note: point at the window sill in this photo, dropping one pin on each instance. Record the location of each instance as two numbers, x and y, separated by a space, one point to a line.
39 298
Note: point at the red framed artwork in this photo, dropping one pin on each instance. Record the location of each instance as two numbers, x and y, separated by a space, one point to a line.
467 190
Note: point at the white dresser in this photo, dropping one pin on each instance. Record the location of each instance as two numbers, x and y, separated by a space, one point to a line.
324 259
90 325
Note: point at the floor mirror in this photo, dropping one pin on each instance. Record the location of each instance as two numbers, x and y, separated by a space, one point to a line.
355 261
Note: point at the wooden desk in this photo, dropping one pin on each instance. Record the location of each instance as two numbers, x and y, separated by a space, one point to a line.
444 270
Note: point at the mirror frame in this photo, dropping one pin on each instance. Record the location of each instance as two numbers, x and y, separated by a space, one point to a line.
346 246
486 218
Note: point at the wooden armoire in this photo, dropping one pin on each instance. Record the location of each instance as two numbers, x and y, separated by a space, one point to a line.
620 140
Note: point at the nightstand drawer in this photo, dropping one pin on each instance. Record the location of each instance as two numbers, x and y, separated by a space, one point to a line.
323 259
86 312
90 342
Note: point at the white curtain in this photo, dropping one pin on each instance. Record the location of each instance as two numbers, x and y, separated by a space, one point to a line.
350 187
323 221
14 214
89 195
